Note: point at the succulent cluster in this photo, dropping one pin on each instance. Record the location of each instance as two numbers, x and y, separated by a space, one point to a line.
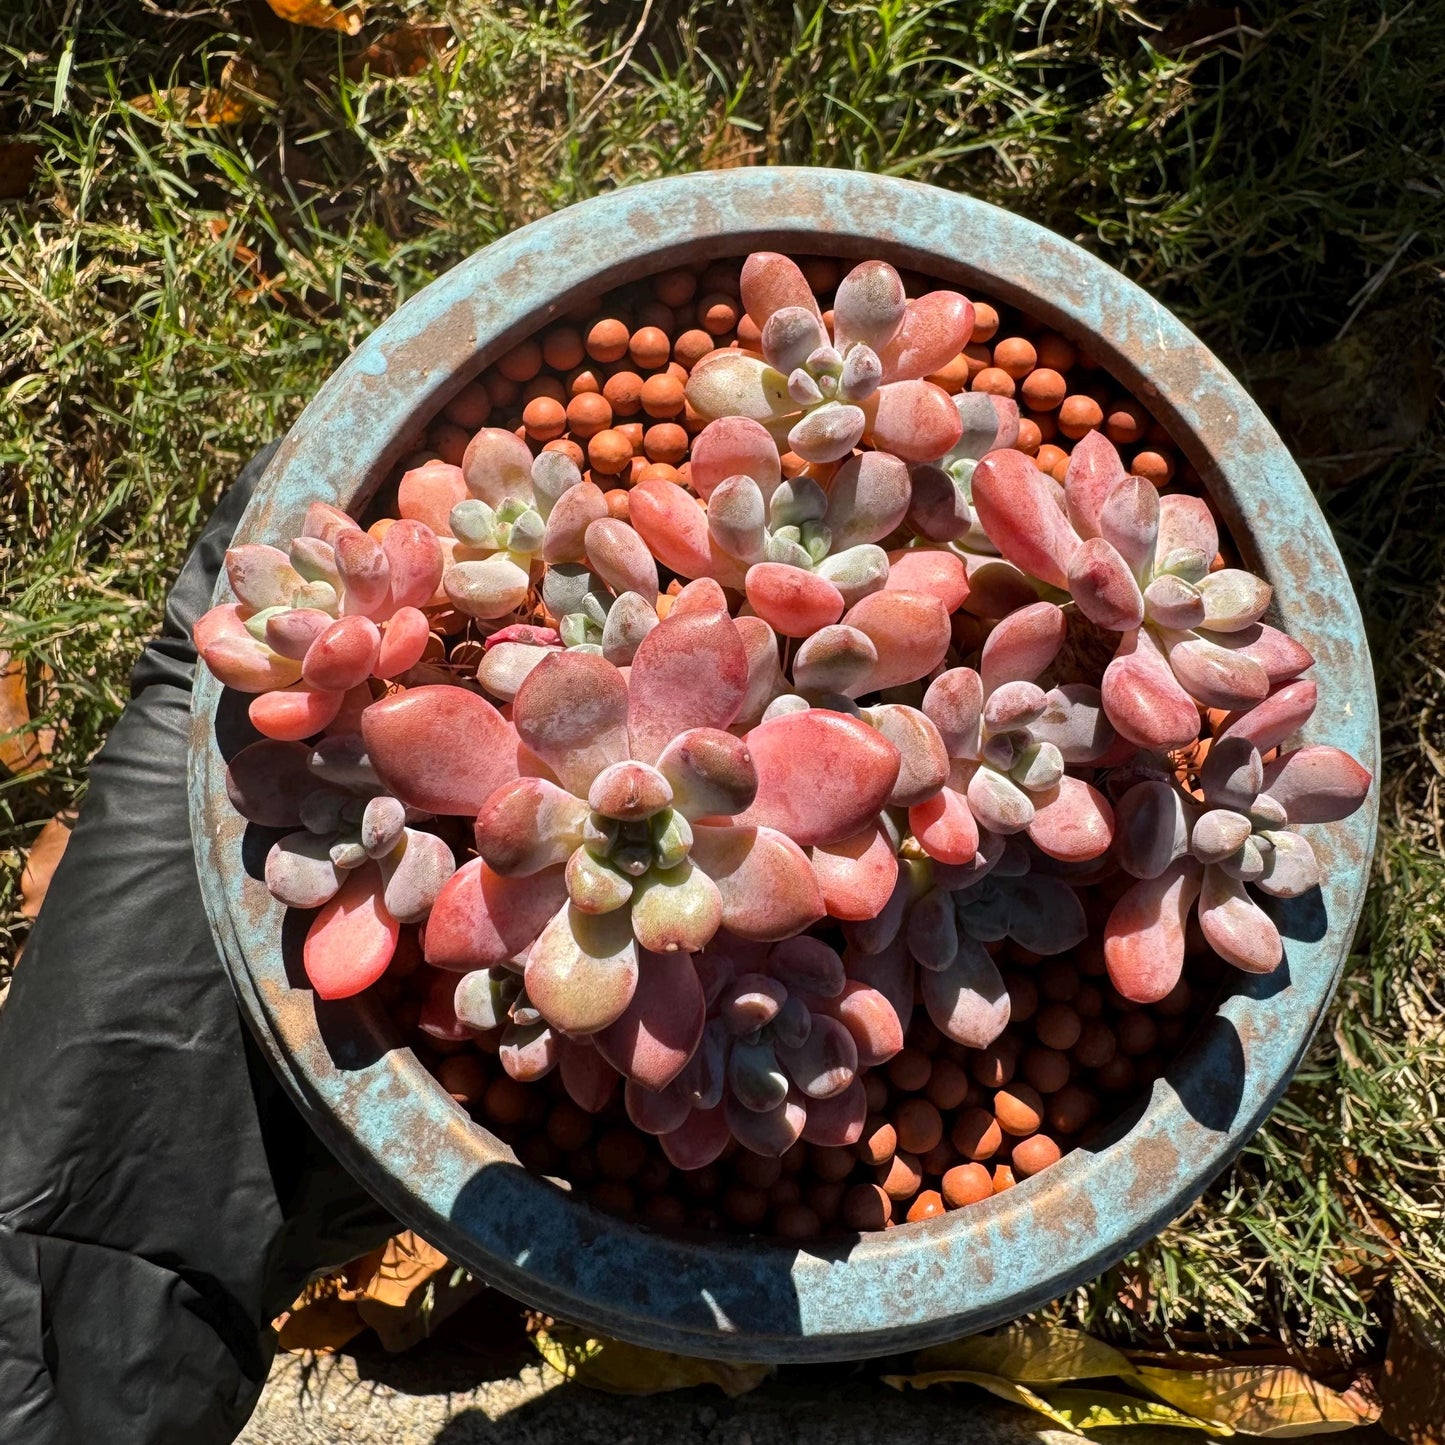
760 749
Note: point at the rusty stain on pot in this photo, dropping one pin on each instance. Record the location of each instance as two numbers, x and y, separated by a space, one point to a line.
379 1110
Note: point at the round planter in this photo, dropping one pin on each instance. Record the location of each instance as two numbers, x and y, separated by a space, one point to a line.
390 1123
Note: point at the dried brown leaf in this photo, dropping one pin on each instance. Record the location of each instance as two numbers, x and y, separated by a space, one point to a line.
407 50
1273 1402
42 860
238 98
320 1326
22 750
319 15
1412 1384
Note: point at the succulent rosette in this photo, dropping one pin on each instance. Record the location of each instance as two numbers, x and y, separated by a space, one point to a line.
1141 565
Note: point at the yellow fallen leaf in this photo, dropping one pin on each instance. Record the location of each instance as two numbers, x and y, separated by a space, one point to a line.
1100 1409
238 98
42 860
320 1326
1034 1354
1009 1390
1274 1402
21 749
319 15
622 1369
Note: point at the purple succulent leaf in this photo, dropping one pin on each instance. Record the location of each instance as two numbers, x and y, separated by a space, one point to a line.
1104 588
867 499
790 335
998 803
1290 865
932 933
1073 720
1219 833
771 1133
1045 914
967 1000
1152 825
954 704
989 422
868 306
826 1061
1232 775
770 281
1316 784
827 433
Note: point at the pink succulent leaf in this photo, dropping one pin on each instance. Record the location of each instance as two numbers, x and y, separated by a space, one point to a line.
938 508
1282 714
674 527
327 523
299 870
267 781
483 998
699 1141
1074 721
910 631
875 932
736 517
661 1027
992 850
1104 587
1093 473
935 328
945 827
890 972
1073 822
1144 936
1233 600
792 601
504 668
996 587
770 1134
791 335
630 618
1013 706
1186 525
821 775
1018 508
824 1063
689 672
1022 645
1316 784
806 965
482 920
655 1111
704 1076
914 420
767 885
403 643
236 658
932 570
415 874
967 1001
1129 521
590 1081
352 940
1173 603
751 1002
923 761
857 875
1232 775
932 930
1236 927
290 633
582 971
1290 865
676 909
771 281
765 671
415 558
440 749
954 704
986 423
735 383
572 712
997 803
498 467
734 446
837 1122
827 433
1144 700
833 659
870 1017
868 307
527 1052
711 773
261 576
428 493
297 712
343 655
575 511
487 589
437 1015
1279 655
1152 826
867 499
529 824
701 595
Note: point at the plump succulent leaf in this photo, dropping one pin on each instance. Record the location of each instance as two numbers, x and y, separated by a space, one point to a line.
1094 471
1316 784
582 971
1144 700
967 1000
768 887
1236 927
1144 935
659 1031
1019 509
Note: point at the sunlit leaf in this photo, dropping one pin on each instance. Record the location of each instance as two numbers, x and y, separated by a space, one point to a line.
1274 1402
319 15
42 860
622 1369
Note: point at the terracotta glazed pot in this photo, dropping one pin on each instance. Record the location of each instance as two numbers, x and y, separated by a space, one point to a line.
383 1114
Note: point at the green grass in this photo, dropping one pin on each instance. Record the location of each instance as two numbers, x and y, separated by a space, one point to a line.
1274 175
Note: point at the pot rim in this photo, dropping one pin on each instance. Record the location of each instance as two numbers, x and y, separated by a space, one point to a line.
391 1125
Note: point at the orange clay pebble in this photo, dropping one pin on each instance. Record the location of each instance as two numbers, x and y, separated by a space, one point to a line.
449 443
692 419
633 431
1060 471
994 1066
831 1164
545 418
692 346
1058 1026
674 288
635 469
825 1198
1015 355
1044 389
745 1205
1049 456
609 452
502 390
879 1141
976 1134
1029 437
662 395
875 1091
953 377
1079 415
613 1197
1125 423
797 1221
1033 1154
918 1124
993 380
470 407
607 339
522 362
928 1205
463 1076
1136 1033
1046 421
909 1069
757 1170
650 347
568 1127
660 471
506 1101
621 1153
588 414
947 1084
748 333
662 1211
585 379
900 1176
677 370
1003 1178
544 386
717 314
976 357
940 1159
966 1184
655 314
1046 1069
569 448
985 321
618 504
866 1206
1054 352
1071 1109
822 272
562 348
623 390
1154 467
665 443
1019 1109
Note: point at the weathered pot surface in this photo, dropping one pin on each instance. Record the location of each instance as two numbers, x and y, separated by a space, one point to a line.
383 1114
